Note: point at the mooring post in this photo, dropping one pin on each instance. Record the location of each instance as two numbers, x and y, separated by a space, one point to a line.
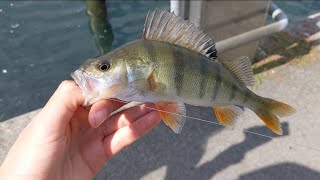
99 25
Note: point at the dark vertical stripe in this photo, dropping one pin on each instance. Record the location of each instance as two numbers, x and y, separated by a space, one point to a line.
179 67
246 96
148 45
218 82
203 73
233 92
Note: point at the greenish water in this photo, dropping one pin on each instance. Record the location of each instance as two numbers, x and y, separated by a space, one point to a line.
43 41
297 10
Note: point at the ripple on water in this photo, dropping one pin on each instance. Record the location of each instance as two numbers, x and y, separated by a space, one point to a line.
46 40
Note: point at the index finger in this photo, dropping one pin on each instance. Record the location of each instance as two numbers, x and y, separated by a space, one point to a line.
101 110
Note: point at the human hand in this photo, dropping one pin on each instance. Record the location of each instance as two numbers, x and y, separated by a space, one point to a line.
60 143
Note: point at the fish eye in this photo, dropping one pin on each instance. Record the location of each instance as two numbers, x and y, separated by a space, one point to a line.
104 66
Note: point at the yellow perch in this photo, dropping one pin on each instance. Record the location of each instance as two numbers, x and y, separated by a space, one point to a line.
175 64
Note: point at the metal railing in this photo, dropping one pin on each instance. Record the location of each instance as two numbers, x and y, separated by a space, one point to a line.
281 22
280 18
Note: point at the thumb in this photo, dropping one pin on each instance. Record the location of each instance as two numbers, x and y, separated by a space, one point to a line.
62 105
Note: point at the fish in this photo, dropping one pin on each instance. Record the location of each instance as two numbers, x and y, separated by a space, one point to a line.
173 64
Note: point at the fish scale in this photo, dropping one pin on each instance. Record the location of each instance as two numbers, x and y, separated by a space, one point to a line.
182 74
172 65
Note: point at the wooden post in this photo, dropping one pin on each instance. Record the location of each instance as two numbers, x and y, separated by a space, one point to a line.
100 28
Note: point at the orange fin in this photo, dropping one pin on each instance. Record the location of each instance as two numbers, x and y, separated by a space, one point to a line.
278 108
173 115
272 121
269 112
227 114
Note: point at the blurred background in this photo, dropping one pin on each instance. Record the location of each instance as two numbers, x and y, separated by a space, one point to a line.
43 41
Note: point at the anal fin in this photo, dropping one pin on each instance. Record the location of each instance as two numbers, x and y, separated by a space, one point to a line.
173 115
227 114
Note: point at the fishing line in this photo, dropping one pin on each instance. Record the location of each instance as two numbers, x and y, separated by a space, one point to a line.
216 123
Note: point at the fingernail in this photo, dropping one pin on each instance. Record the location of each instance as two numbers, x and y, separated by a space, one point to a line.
99 117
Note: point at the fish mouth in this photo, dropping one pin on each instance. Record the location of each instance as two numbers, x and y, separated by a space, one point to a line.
86 86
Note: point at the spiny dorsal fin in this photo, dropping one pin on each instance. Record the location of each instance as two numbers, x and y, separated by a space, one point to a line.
241 68
167 27
226 115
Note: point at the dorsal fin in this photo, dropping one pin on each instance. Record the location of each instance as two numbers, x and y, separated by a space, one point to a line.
241 68
167 27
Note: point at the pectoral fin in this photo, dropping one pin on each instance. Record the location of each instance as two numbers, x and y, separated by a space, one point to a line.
127 106
173 115
149 84
227 114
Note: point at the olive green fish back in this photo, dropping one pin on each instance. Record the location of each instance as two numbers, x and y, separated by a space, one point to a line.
167 27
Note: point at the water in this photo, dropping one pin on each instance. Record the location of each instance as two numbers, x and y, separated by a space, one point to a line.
297 10
43 41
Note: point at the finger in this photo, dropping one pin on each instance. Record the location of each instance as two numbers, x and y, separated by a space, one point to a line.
126 135
79 122
101 110
124 118
62 105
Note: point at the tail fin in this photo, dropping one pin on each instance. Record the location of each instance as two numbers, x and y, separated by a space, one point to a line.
269 112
